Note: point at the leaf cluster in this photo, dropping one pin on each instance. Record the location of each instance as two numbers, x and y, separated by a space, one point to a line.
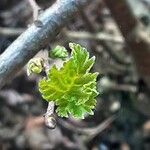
72 87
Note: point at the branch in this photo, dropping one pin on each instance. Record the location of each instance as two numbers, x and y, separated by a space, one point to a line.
89 132
135 36
6 31
93 36
35 9
36 38
49 118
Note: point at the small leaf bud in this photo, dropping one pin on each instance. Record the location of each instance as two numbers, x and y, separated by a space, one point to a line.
58 52
35 65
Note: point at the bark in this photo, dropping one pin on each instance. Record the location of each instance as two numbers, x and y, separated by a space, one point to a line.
35 38
135 36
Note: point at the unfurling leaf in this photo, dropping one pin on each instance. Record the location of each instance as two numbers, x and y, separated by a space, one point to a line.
72 87
35 65
58 52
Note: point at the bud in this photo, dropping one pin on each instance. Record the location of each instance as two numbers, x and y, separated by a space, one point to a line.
35 65
50 121
59 52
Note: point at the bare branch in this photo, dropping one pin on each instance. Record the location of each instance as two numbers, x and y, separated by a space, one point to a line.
135 36
50 121
94 36
5 31
35 8
35 38
93 131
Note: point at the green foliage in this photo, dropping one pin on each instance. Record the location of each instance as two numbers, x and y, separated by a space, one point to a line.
35 65
72 87
58 52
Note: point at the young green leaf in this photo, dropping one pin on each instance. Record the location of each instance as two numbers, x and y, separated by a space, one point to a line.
72 87
58 52
35 65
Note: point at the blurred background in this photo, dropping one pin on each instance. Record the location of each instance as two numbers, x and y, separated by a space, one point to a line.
118 34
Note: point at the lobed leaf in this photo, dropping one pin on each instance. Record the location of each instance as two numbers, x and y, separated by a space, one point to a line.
72 87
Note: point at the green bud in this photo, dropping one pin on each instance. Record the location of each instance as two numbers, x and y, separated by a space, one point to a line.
35 65
58 52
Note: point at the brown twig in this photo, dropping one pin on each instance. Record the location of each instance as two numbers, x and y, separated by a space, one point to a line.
134 34
5 31
93 131
93 36
104 43
71 34
49 118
